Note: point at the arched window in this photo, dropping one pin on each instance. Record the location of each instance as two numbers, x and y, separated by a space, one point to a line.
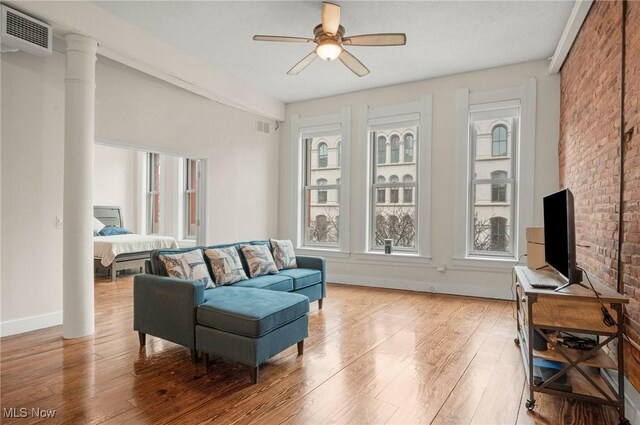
394 192
498 190
381 193
499 236
499 140
408 147
395 148
323 154
407 195
322 193
338 158
382 150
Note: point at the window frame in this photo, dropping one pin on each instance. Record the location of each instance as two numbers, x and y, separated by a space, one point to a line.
386 116
522 158
188 190
150 192
303 128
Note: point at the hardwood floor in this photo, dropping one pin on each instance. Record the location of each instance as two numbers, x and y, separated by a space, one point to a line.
373 356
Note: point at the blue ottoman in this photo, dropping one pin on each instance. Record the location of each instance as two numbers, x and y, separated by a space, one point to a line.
249 326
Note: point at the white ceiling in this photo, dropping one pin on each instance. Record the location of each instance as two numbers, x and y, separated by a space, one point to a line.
443 38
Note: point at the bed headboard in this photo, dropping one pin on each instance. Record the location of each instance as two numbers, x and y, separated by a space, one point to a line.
109 216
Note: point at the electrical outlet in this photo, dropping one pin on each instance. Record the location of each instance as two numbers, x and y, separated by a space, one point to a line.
59 222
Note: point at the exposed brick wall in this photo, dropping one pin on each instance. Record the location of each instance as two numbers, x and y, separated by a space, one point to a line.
589 151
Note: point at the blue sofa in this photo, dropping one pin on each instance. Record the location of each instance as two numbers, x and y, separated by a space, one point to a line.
181 311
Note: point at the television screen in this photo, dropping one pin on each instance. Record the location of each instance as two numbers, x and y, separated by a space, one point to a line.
559 238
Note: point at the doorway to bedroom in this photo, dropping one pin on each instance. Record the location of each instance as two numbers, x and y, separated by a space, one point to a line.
157 198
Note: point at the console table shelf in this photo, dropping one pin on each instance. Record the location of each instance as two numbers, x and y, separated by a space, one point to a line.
573 310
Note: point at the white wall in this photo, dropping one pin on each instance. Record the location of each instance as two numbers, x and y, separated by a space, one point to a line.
131 107
492 283
115 177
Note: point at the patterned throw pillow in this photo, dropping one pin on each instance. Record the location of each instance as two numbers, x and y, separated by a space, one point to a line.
188 265
226 265
259 259
283 254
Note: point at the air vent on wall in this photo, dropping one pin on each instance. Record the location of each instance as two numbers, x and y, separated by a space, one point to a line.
22 32
262 126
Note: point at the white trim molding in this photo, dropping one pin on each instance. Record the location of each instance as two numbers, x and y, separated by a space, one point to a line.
574 23
467 101
421 113
317 126
31 323
469 289
631 395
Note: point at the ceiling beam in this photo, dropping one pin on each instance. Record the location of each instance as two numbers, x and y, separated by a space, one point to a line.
574 23
138 49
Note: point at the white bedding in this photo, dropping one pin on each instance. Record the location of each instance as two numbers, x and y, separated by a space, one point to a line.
106 248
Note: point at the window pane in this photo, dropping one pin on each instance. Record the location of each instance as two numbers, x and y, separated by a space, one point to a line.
322 217
153 193
491 219
321 206
393 214
397 223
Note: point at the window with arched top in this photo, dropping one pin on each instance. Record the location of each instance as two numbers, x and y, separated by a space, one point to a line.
499 236
395 148
498 190
323 155
338 155
499 140
382 149
407 193
408 147
322 193
381 192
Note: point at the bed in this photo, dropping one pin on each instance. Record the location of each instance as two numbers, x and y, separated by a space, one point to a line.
121 252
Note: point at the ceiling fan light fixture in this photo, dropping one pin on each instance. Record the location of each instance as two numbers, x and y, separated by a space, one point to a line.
328 50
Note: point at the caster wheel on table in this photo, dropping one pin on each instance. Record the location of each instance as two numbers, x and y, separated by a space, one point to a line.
530 404
516 341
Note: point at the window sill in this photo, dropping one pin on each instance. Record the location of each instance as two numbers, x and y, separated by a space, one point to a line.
396 257
485 263
323 252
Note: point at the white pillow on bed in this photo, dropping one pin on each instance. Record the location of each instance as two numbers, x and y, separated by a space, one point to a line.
97 226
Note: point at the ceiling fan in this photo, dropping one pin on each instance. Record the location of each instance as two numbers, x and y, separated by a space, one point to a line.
330 41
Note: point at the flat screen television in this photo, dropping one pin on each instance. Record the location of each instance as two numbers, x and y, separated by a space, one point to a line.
560 235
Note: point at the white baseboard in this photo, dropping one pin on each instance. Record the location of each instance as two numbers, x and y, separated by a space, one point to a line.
32 323
631 396
438 288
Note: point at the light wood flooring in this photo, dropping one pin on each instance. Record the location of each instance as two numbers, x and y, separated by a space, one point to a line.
373 356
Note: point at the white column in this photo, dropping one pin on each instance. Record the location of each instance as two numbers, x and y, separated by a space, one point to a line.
78 317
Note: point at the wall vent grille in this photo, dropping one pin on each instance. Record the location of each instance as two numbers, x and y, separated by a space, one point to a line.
262 127
22 32
27 30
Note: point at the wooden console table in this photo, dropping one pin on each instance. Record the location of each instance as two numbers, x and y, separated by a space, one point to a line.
574 309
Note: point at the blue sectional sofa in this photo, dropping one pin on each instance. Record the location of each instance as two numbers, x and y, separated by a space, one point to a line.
247 322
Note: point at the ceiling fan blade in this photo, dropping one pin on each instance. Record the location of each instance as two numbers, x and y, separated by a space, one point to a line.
353 63
330 18
388 39
282 38
303 63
